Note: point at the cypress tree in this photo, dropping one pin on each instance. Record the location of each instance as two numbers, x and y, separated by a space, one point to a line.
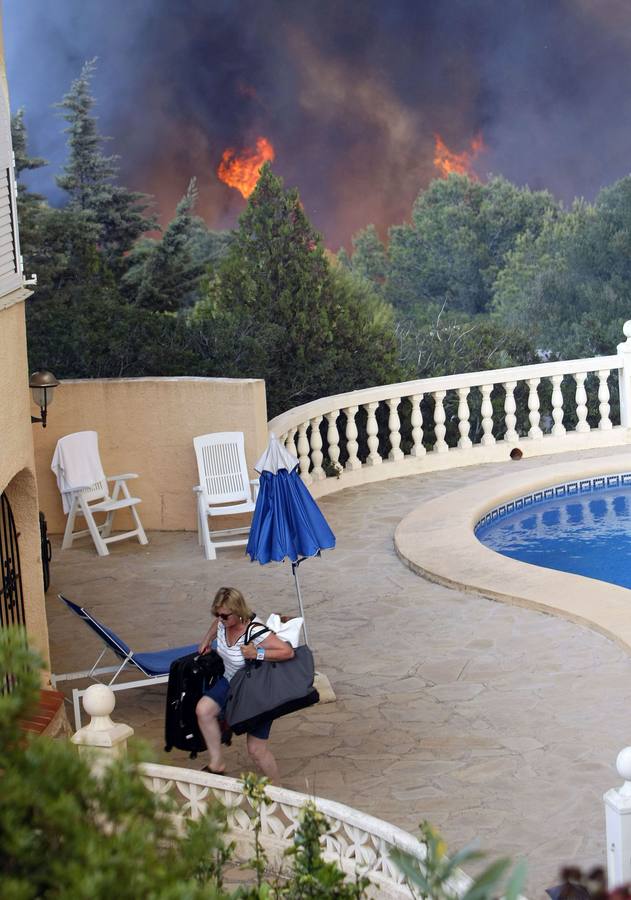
116 214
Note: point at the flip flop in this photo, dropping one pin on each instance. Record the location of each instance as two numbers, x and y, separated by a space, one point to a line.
213 771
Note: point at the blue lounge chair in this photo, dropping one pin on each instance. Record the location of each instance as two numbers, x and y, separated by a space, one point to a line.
154 666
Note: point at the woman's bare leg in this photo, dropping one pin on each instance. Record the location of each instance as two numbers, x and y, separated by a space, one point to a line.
207 713
263 757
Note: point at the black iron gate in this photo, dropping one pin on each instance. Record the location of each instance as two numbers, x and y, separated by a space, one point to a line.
11 595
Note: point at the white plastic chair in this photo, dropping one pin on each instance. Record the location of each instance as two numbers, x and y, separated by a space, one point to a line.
76 462
224 489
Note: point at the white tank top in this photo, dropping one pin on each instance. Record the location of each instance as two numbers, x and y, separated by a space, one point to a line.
231 654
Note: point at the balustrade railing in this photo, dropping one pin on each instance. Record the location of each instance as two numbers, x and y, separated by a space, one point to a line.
471 417
356 841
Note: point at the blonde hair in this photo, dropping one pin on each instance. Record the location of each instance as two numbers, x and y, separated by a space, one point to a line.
234 601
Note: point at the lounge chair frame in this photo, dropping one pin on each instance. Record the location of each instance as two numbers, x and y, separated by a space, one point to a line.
153 665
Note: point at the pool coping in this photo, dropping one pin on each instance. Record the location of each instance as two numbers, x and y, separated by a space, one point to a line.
436 540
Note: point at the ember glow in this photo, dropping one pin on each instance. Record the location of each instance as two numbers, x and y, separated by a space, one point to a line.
241 170
448 162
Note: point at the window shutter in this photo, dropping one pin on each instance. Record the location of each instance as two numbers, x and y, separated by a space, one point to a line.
10 261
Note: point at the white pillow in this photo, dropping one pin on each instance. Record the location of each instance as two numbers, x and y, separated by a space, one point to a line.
286 631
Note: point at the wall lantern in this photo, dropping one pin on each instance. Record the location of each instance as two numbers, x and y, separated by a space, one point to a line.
42 385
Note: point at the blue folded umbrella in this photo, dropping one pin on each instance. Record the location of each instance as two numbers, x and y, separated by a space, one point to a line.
287 522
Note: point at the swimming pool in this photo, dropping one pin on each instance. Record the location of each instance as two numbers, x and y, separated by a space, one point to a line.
582 527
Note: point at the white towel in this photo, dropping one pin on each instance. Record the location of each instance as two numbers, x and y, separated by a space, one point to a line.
76 464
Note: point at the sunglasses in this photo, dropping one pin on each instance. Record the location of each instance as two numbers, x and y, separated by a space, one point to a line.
223 616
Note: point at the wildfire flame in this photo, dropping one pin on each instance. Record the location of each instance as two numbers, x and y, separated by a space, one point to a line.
446 161
241 170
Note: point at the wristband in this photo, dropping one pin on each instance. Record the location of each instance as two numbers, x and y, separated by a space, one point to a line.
260 653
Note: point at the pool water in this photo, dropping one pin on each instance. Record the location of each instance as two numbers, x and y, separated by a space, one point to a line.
586 535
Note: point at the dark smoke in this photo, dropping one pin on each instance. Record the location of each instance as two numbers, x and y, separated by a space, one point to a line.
350 92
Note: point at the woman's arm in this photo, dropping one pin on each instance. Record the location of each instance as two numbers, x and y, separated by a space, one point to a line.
275 649
209 637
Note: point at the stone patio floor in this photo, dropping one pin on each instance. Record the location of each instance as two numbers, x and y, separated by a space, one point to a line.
493 722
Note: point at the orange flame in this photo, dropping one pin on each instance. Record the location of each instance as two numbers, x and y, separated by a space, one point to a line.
448 162
242 171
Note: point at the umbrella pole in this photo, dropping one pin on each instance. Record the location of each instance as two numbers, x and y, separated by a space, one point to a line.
294 569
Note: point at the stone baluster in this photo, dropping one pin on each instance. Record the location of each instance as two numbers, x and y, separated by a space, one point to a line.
464 441
624 376
440 445
487 416
303 452
317 473
290 442
558 429
333 438
581 403
535 433
394 426
416 420
353 461
605 423
510 407
372 430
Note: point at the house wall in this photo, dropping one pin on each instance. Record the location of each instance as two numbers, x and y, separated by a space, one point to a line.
17 464
147 425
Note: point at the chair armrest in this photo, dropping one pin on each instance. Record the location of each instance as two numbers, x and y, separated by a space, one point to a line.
121 477
255 481
197 489
255 487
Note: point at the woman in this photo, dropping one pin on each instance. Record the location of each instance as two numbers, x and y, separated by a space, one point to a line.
232 617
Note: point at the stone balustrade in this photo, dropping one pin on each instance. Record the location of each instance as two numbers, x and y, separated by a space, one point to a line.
356 841
465 419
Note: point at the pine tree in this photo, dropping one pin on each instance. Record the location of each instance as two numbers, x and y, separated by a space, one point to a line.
31 206
165 274
277 282
116 214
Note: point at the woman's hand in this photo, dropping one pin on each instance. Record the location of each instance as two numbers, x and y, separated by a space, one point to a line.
204 646
248 651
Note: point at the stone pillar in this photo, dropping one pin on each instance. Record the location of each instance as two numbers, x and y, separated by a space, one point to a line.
101 741
618 824
624 377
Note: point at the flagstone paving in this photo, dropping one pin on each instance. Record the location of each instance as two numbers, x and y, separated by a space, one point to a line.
493 722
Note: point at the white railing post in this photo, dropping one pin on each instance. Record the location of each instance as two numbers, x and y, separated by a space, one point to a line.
582 424
440 445
290 442
303 452
416 421
394 427
624 377
618 824
558 429
372 430
510 407
317 473
101 741
486 409
333 438
464 441
353 461
534 432
604 408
